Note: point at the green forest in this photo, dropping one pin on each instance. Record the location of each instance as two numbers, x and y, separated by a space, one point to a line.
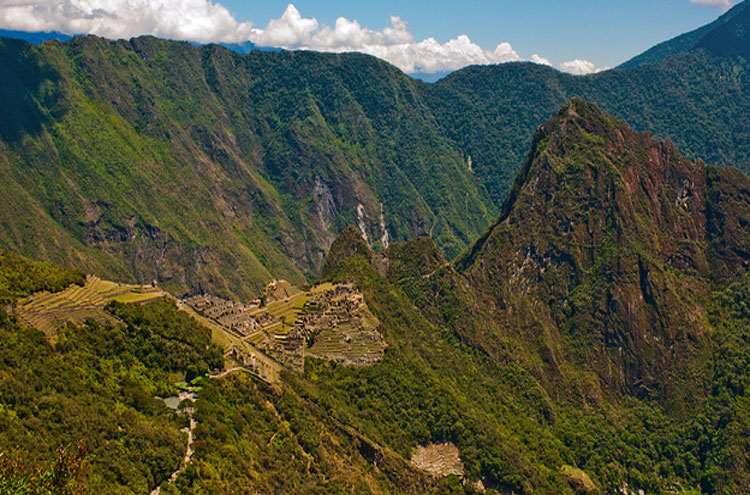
196 166
558 265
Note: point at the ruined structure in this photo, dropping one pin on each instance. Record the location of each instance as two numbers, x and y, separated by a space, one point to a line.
339 327
438 460
330 322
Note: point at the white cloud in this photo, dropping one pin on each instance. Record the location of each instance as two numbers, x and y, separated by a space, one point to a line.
538 59
394 43
205 21
580 67
196 20
288 30
725 4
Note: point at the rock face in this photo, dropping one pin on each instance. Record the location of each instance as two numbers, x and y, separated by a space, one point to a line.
610 241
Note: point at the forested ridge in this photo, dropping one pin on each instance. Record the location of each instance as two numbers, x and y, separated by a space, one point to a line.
562 298
207 169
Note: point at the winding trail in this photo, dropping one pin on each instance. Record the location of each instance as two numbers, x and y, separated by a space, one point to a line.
190 412
232 370
189 448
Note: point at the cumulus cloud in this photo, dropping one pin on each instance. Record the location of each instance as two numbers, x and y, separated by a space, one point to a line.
538 59
206 21
195 20
724 4
580 67
394 43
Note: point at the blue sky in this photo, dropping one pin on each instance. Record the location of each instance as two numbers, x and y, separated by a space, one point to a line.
606 32
577 36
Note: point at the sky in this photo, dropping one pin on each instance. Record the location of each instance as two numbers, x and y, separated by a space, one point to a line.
577 36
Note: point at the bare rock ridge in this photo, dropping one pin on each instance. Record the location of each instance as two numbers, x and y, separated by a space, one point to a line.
613 239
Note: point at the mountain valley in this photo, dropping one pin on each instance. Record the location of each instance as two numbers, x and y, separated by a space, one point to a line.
295 272
211 170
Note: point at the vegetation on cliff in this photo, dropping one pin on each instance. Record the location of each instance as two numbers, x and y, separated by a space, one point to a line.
97 384
597 330
206 169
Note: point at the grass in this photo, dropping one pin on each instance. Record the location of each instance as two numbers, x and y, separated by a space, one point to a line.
47 311
219 335
137 297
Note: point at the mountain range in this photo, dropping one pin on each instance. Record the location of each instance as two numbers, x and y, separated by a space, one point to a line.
560 301
201 168
592 340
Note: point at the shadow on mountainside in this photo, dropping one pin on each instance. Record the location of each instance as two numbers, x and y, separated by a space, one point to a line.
30 93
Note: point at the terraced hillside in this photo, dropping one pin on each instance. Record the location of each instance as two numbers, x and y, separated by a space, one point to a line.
438 460
330 322
47 311
339 327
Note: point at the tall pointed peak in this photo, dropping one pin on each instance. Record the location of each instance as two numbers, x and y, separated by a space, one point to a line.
584 162
348 243
579 137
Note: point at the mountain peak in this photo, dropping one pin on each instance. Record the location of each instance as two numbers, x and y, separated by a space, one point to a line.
580 115
578 108
579 139
349 242
599 221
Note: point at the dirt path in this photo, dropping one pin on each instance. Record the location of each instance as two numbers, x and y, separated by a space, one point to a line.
189 448
230 370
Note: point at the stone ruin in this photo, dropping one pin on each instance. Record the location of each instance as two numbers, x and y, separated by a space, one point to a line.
235 316
278 290
438 460
338 326
334 324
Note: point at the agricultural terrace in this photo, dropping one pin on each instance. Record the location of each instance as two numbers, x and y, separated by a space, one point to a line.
47 311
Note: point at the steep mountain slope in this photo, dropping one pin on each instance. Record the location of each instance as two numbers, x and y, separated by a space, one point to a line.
607 250
698 100
593 340
160 159
686 42
579 390
95 386
209 170
730 38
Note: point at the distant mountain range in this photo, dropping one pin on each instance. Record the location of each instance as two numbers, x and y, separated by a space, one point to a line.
34 37
212 170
